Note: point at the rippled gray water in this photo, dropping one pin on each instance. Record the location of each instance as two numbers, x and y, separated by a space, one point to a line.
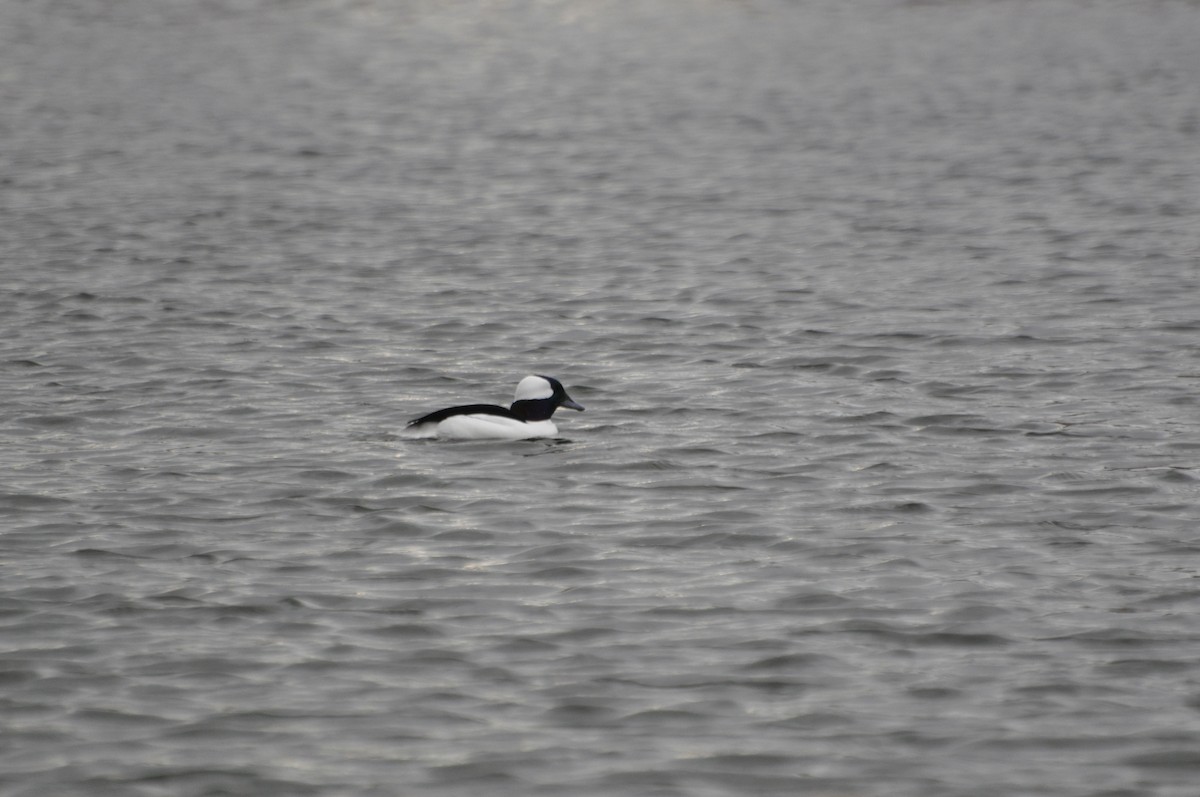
885 315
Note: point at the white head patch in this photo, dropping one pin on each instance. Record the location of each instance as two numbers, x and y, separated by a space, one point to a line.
533 387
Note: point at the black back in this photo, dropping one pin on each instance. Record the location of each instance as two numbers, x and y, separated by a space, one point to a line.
465 409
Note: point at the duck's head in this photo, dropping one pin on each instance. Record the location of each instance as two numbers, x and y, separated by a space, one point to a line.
539 396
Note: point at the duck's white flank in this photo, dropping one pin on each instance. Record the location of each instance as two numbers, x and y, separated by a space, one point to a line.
483 427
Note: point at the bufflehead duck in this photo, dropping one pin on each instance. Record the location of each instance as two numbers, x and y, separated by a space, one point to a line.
536 400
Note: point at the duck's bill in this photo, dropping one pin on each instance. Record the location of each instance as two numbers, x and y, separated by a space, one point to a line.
571 404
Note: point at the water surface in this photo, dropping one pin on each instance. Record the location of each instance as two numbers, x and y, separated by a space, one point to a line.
884 314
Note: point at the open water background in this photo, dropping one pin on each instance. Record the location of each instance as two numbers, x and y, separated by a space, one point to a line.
886 318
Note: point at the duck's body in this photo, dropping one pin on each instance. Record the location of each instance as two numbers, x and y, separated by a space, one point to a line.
479 422
528 417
